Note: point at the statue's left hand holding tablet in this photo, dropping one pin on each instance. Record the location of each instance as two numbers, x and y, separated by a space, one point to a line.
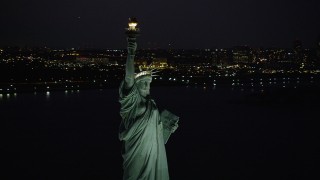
174 127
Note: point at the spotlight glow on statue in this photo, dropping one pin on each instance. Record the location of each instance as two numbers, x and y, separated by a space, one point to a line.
143 130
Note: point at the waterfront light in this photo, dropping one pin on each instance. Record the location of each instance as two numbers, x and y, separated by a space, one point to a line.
47 94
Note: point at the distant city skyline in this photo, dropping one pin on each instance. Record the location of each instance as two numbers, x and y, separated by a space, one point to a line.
164 24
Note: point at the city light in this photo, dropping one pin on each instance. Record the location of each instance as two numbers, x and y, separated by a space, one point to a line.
199 65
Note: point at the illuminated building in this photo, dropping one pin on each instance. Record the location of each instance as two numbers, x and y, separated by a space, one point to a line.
160 63
298 54
220 57
97 60
157 63
241 55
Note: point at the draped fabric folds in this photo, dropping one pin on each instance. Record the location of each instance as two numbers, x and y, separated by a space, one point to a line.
144 155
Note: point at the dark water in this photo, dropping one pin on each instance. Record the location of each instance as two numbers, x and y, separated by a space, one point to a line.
223 134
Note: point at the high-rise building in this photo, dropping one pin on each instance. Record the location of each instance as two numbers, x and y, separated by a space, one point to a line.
220 57
298 54
241 55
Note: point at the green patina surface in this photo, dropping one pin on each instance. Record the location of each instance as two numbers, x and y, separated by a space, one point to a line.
141 130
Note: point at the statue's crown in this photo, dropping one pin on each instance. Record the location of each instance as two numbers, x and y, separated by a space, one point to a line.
146 72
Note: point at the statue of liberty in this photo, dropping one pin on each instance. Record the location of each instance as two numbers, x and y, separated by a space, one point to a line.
143 130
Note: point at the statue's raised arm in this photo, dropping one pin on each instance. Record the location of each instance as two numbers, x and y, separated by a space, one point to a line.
132 32
129 76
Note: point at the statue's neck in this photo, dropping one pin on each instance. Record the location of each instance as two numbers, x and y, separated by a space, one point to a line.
145 99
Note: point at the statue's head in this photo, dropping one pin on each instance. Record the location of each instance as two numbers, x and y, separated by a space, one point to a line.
143 80
143 85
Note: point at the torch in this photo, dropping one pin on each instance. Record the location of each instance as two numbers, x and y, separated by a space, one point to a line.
132 31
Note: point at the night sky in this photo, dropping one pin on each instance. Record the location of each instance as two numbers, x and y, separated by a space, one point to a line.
183 23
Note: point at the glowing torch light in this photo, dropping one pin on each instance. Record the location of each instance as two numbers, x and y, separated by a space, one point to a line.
132 25
132 30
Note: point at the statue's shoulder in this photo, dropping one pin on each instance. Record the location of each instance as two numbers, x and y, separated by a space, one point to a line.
126 92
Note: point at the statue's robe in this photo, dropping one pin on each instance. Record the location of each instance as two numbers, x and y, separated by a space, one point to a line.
144 154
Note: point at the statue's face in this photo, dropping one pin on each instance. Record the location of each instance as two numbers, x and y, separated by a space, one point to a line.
144 86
